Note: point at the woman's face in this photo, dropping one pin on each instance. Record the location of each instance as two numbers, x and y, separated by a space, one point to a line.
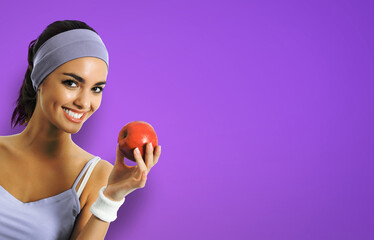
72 92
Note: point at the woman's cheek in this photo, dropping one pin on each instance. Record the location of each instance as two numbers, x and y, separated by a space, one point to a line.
69 95
96 104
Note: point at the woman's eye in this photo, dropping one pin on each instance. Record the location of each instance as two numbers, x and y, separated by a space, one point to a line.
97 89
70 83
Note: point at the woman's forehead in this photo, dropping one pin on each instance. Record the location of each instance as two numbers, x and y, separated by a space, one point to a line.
89 67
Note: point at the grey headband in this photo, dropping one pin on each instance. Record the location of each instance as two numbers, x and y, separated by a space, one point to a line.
64 47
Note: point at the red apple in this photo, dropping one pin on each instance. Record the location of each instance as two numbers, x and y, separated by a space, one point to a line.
136 134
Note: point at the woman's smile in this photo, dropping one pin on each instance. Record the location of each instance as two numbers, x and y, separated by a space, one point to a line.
74 115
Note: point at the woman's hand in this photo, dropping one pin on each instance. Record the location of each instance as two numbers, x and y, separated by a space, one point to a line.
125 179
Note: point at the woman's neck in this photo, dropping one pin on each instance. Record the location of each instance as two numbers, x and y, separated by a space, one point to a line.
43 139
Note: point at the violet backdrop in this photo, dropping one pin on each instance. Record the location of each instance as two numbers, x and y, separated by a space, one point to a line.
264 111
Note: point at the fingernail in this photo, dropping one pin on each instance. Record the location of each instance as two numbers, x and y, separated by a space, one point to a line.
151 145
137 150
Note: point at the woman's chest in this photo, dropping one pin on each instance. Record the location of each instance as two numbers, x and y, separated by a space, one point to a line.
30 180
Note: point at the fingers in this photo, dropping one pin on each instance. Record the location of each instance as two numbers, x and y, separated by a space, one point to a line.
143 180
157 154
139 160
149 156
152 155
143 167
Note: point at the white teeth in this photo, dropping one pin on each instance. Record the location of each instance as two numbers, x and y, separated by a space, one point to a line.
72 114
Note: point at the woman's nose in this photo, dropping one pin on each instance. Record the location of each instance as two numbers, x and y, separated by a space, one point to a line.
83 100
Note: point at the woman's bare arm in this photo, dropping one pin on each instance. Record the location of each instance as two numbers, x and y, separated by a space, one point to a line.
120 180
88 226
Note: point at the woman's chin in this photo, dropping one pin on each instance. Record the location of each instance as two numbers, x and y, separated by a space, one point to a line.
73 130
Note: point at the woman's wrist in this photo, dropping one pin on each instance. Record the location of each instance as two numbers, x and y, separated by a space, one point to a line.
113 195
105 208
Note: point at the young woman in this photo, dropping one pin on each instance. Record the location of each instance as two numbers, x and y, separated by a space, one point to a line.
50 188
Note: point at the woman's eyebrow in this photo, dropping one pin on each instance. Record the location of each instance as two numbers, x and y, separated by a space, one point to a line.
80 79
100 83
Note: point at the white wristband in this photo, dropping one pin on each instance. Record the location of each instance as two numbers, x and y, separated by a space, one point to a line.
104 208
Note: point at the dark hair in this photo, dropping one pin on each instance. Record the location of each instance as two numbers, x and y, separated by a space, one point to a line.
26 101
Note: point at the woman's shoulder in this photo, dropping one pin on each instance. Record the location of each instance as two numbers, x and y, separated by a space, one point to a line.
102 169
102 166
98 178
8 138
3 147
2 142
6 144
4 139
8 151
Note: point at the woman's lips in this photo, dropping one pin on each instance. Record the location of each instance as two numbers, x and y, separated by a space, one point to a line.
73 119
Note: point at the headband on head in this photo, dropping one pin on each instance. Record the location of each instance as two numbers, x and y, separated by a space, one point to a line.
64 47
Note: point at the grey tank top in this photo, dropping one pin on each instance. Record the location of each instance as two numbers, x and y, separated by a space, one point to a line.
46 219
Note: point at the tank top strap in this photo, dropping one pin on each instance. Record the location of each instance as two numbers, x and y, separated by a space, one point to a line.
90 164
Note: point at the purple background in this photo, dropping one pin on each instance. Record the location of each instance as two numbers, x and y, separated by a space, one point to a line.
264 111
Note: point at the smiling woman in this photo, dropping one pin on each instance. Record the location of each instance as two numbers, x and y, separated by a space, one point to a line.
50 188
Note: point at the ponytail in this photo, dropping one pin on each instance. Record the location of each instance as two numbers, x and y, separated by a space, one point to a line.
27 96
